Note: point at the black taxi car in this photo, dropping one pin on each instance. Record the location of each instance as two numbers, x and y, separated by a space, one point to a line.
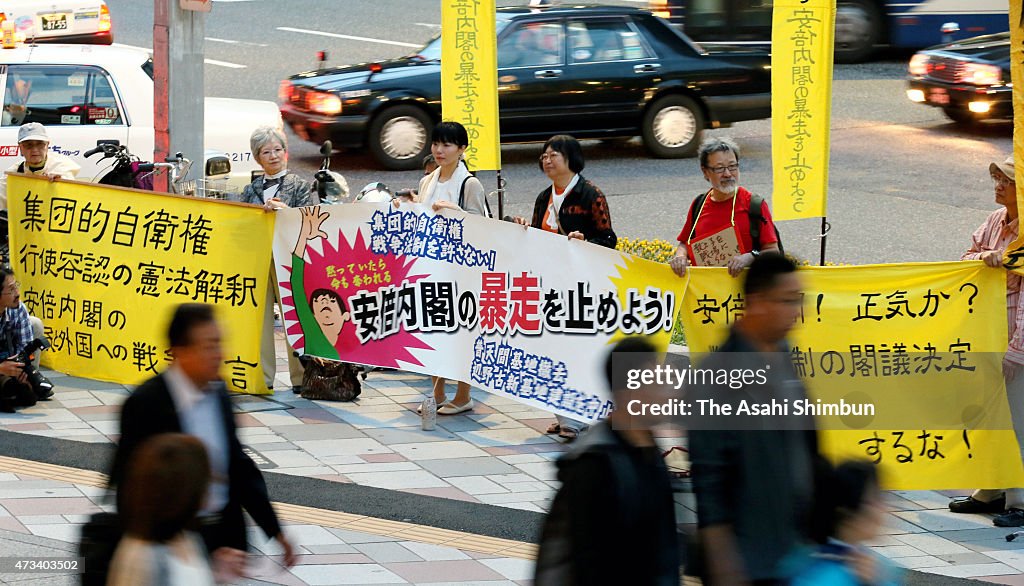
589 71
969 79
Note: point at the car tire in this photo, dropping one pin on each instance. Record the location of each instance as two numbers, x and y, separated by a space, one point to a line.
399 137
672 127
961 116
858 29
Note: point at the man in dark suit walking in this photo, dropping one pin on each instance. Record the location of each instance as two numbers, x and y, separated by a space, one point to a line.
190 397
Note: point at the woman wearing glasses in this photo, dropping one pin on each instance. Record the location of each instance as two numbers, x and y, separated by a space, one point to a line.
277 188
718 230
576 208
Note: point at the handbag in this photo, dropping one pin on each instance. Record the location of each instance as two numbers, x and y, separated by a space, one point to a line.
329 380
99 538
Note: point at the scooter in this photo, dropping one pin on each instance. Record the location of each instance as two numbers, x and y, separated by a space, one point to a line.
331 187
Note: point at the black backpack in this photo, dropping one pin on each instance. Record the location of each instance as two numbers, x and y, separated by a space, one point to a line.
756 220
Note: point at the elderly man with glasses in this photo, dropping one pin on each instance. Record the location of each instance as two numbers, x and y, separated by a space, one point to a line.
988 243
720 229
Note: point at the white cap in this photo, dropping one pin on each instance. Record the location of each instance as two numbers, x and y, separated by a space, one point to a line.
32 131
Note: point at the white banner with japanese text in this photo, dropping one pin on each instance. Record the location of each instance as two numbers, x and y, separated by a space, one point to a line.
514 311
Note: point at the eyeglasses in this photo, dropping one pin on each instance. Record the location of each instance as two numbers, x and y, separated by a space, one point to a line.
1002 179
275 151
723 169
552 156
12 287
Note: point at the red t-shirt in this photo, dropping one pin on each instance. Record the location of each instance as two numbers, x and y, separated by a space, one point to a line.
715 217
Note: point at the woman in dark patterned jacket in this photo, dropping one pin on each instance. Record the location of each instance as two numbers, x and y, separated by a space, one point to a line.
572 205
576 208
277 188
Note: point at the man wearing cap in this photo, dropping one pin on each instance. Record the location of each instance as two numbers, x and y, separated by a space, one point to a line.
34 145
988 244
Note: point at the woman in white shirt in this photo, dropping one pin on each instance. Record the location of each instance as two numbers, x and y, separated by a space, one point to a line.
452 186
163 490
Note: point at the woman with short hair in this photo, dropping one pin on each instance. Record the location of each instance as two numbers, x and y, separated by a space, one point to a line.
574 207
276 188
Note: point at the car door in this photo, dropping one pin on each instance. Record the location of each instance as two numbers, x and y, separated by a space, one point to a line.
77 104
531 70
611 67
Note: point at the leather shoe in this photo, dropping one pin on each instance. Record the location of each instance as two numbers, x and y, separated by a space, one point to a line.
1011 518
970 504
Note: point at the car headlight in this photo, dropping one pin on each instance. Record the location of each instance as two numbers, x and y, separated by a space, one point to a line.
982 74
918 64
324 103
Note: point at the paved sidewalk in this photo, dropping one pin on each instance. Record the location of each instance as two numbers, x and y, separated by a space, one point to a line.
496 455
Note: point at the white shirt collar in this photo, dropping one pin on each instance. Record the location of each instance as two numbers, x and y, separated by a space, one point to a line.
183 391
276 175
572 183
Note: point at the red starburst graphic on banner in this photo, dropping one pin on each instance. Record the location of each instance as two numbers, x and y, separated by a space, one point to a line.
346 270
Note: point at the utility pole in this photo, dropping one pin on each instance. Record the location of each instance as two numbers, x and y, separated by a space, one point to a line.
179 28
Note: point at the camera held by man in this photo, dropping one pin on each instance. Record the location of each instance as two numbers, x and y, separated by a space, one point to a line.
21 340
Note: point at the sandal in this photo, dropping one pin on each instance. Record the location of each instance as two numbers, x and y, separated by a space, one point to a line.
554 428
568 435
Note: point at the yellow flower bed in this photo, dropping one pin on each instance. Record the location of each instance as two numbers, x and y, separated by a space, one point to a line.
658 251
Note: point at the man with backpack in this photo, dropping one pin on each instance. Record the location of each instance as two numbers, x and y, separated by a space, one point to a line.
727 226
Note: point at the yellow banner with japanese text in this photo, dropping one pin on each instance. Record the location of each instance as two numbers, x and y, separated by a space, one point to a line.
469 77
103 267
1014 254
802 44
921 342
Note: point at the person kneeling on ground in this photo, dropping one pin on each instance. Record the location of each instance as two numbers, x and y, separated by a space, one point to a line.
21 384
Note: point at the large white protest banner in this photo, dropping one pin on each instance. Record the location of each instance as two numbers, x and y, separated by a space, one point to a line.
514 311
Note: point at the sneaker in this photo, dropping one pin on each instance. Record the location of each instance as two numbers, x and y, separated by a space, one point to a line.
969 504
1011 518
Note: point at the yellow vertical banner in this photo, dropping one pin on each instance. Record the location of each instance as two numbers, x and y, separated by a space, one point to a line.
469 77
1014 255
802 44
104 267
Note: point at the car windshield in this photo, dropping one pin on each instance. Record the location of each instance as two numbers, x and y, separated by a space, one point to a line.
432 51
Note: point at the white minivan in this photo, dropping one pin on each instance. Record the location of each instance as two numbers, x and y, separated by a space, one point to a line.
85 93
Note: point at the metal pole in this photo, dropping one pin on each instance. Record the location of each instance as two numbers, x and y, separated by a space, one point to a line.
825 227
501 196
